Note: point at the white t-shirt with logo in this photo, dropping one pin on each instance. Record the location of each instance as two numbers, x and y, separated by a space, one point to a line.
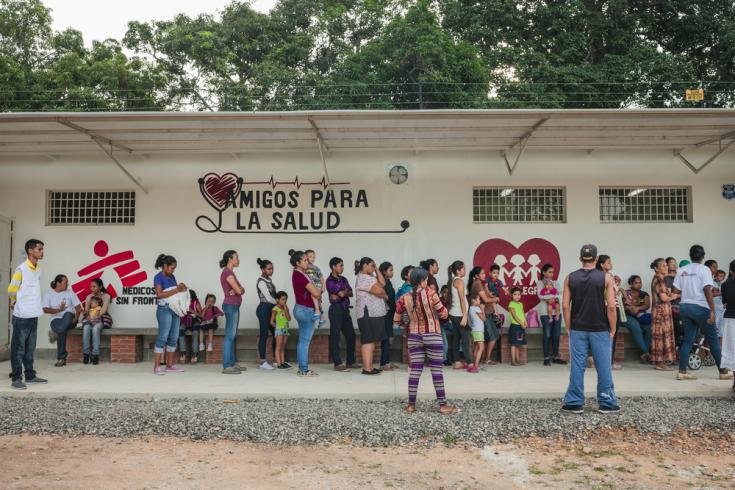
52 299
691 281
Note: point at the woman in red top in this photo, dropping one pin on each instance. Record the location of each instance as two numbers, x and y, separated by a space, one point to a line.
305 294
423 329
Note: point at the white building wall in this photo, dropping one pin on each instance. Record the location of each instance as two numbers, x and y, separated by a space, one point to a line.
437 200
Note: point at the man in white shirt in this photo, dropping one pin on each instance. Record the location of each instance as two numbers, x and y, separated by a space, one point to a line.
25 301
697 311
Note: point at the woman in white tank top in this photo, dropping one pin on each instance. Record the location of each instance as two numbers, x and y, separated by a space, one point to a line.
458 315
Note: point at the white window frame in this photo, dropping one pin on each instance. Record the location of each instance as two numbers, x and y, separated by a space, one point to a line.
501 188
130 218
645 206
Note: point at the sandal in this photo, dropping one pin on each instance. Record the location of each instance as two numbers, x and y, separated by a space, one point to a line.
490 362
448 409
182 359
663 368
411 409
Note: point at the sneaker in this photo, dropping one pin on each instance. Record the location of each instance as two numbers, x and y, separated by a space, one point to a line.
51 336
561 362
231 370
613 409
341 368
60 363
354 366
308 374
174 369
210 347
473 369
684 376
238 366
284 366
85 360
95 360
547 362
572 409
266 366
726 375
18 384
159 370
36 380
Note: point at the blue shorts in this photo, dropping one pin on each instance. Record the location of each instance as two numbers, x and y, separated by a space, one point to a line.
516 335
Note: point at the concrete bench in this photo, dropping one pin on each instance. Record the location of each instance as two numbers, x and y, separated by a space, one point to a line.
130 345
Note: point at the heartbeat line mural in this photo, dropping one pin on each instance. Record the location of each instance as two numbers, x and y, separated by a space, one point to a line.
263 207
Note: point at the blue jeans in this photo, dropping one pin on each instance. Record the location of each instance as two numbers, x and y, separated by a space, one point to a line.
60 327
168 329
232 320
263 312
552 331
22 347
641 332
91 335
305 318
694 318
580 344
447 328
194 341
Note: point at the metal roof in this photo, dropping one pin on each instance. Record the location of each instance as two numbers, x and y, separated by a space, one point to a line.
152 133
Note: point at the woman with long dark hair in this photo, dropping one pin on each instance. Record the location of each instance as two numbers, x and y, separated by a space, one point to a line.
370 310
456 303
306 296
549 293
91 333
266 301
233 292
604 264
386 269
417 312
477 286
340 321
166 286
431 266
64 308
663 346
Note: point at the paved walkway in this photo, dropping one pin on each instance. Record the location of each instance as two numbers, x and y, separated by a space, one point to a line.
205 381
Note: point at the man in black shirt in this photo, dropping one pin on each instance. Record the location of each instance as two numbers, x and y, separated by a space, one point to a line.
589 304
728 322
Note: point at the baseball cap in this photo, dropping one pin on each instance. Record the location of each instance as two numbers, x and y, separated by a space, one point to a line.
588 252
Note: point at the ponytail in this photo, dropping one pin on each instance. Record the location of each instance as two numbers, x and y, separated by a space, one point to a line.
263 263
654 264
418 275
57 280
226 258
164 259
452 270
296 256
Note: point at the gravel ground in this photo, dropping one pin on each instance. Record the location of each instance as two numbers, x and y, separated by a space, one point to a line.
369 423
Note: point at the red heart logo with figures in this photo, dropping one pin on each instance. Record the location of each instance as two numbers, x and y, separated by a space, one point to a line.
218 189
519 266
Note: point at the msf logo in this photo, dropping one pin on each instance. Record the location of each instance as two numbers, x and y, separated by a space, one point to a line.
126 270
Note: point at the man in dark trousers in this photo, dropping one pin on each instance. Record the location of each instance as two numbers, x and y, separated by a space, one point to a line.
589 304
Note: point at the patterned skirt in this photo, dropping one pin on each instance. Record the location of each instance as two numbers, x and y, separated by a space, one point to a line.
663 347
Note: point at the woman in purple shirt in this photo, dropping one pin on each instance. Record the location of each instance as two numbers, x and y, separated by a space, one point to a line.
304 293
340 292
233 292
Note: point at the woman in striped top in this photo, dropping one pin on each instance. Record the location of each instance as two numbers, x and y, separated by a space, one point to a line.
423 329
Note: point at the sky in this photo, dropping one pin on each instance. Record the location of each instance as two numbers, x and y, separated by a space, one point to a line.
102 19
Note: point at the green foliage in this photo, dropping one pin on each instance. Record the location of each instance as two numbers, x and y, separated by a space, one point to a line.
378 54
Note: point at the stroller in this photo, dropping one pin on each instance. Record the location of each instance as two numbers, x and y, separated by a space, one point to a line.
700 355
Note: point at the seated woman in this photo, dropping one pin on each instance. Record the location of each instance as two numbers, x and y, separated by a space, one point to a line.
638 320
91 336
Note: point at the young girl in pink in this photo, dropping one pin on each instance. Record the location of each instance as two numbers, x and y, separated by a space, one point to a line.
552 305
209 324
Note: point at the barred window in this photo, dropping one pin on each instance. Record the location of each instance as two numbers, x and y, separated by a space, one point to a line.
645 204
519 205
90 207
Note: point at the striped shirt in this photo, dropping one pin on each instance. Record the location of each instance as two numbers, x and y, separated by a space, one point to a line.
423 317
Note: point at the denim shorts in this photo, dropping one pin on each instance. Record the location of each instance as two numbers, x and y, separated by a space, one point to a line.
516 335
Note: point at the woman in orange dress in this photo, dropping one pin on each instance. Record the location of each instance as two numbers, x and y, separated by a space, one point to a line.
663 347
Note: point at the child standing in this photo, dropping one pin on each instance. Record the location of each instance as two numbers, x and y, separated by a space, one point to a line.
477 321
517 331
209 324
92 326
280 316
314 273
191 323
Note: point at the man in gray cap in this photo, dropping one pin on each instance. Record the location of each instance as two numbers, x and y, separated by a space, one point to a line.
589 304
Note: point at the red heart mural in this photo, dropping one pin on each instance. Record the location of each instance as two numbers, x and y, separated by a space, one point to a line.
216 189
519 266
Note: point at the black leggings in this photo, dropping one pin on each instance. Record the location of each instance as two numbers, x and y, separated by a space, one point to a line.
460 335
263 312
